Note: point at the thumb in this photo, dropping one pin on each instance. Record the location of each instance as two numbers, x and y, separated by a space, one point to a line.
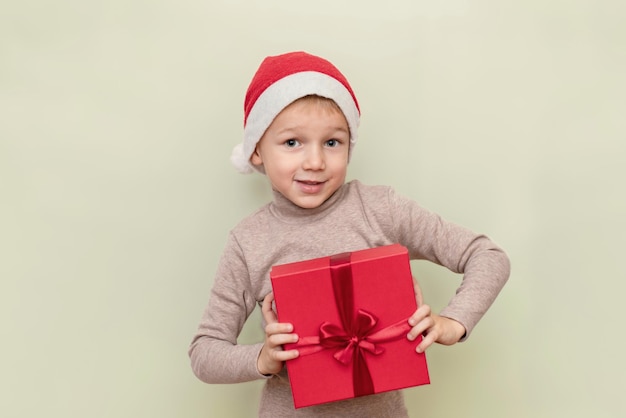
419 297
269 316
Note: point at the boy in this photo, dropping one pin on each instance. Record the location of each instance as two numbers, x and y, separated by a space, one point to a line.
300 128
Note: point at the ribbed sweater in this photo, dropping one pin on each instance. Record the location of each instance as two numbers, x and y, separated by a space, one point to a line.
354 218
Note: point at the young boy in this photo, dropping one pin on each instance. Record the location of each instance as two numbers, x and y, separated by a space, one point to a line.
300 128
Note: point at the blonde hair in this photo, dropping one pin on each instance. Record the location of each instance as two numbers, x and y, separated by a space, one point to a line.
323 102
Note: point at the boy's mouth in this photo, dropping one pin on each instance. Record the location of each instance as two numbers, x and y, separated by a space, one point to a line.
310 182
310 186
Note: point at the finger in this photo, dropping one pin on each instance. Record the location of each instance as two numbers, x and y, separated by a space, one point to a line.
422 312
266 309
280 329
277 342
288 355
421 328
427 341
284 355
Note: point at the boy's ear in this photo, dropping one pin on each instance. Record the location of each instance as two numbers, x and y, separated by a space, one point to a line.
255 158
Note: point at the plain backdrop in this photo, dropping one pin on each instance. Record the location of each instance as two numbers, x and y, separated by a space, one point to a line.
117 119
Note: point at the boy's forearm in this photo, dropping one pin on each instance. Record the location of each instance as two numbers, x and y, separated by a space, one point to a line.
215 361
484 277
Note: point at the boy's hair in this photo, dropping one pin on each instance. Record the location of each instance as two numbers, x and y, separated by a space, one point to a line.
323 102
279 81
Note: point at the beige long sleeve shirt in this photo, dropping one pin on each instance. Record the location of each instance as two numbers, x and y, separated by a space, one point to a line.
355 217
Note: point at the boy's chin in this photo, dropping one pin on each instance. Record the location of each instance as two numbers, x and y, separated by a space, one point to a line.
311 202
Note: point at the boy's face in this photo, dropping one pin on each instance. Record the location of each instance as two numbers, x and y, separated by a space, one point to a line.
305 152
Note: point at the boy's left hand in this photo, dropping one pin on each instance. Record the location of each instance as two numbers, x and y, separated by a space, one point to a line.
434 328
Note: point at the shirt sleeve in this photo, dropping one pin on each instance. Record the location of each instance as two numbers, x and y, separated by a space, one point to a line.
484 265
214 353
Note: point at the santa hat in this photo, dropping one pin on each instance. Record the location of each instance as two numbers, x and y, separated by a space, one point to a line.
281 80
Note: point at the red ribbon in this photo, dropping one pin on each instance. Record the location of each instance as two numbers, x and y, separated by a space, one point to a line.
355 335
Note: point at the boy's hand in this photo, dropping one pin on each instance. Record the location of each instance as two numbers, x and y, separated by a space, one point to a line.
272 356
434 328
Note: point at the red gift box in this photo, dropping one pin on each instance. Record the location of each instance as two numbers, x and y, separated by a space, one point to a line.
350 311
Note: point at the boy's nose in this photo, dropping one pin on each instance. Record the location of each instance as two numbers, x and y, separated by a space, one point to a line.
314 159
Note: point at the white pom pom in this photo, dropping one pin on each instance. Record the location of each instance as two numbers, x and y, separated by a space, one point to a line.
239 160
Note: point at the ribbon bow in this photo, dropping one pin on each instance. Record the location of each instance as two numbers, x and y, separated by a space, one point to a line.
362 338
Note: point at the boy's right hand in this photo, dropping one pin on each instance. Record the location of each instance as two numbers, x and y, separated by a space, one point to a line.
272 356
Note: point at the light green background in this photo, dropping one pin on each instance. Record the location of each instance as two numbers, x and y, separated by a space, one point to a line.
117 119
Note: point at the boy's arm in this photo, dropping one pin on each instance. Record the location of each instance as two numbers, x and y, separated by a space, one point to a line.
486 269
484 265
215 355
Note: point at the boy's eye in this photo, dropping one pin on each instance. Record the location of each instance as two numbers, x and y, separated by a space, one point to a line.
291 143
332 143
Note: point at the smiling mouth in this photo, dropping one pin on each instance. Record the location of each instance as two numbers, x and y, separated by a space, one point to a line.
310 187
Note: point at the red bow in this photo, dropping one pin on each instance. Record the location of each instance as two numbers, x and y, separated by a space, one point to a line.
351 346
361 339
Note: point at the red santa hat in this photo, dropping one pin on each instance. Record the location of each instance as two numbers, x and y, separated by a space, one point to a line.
281 80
